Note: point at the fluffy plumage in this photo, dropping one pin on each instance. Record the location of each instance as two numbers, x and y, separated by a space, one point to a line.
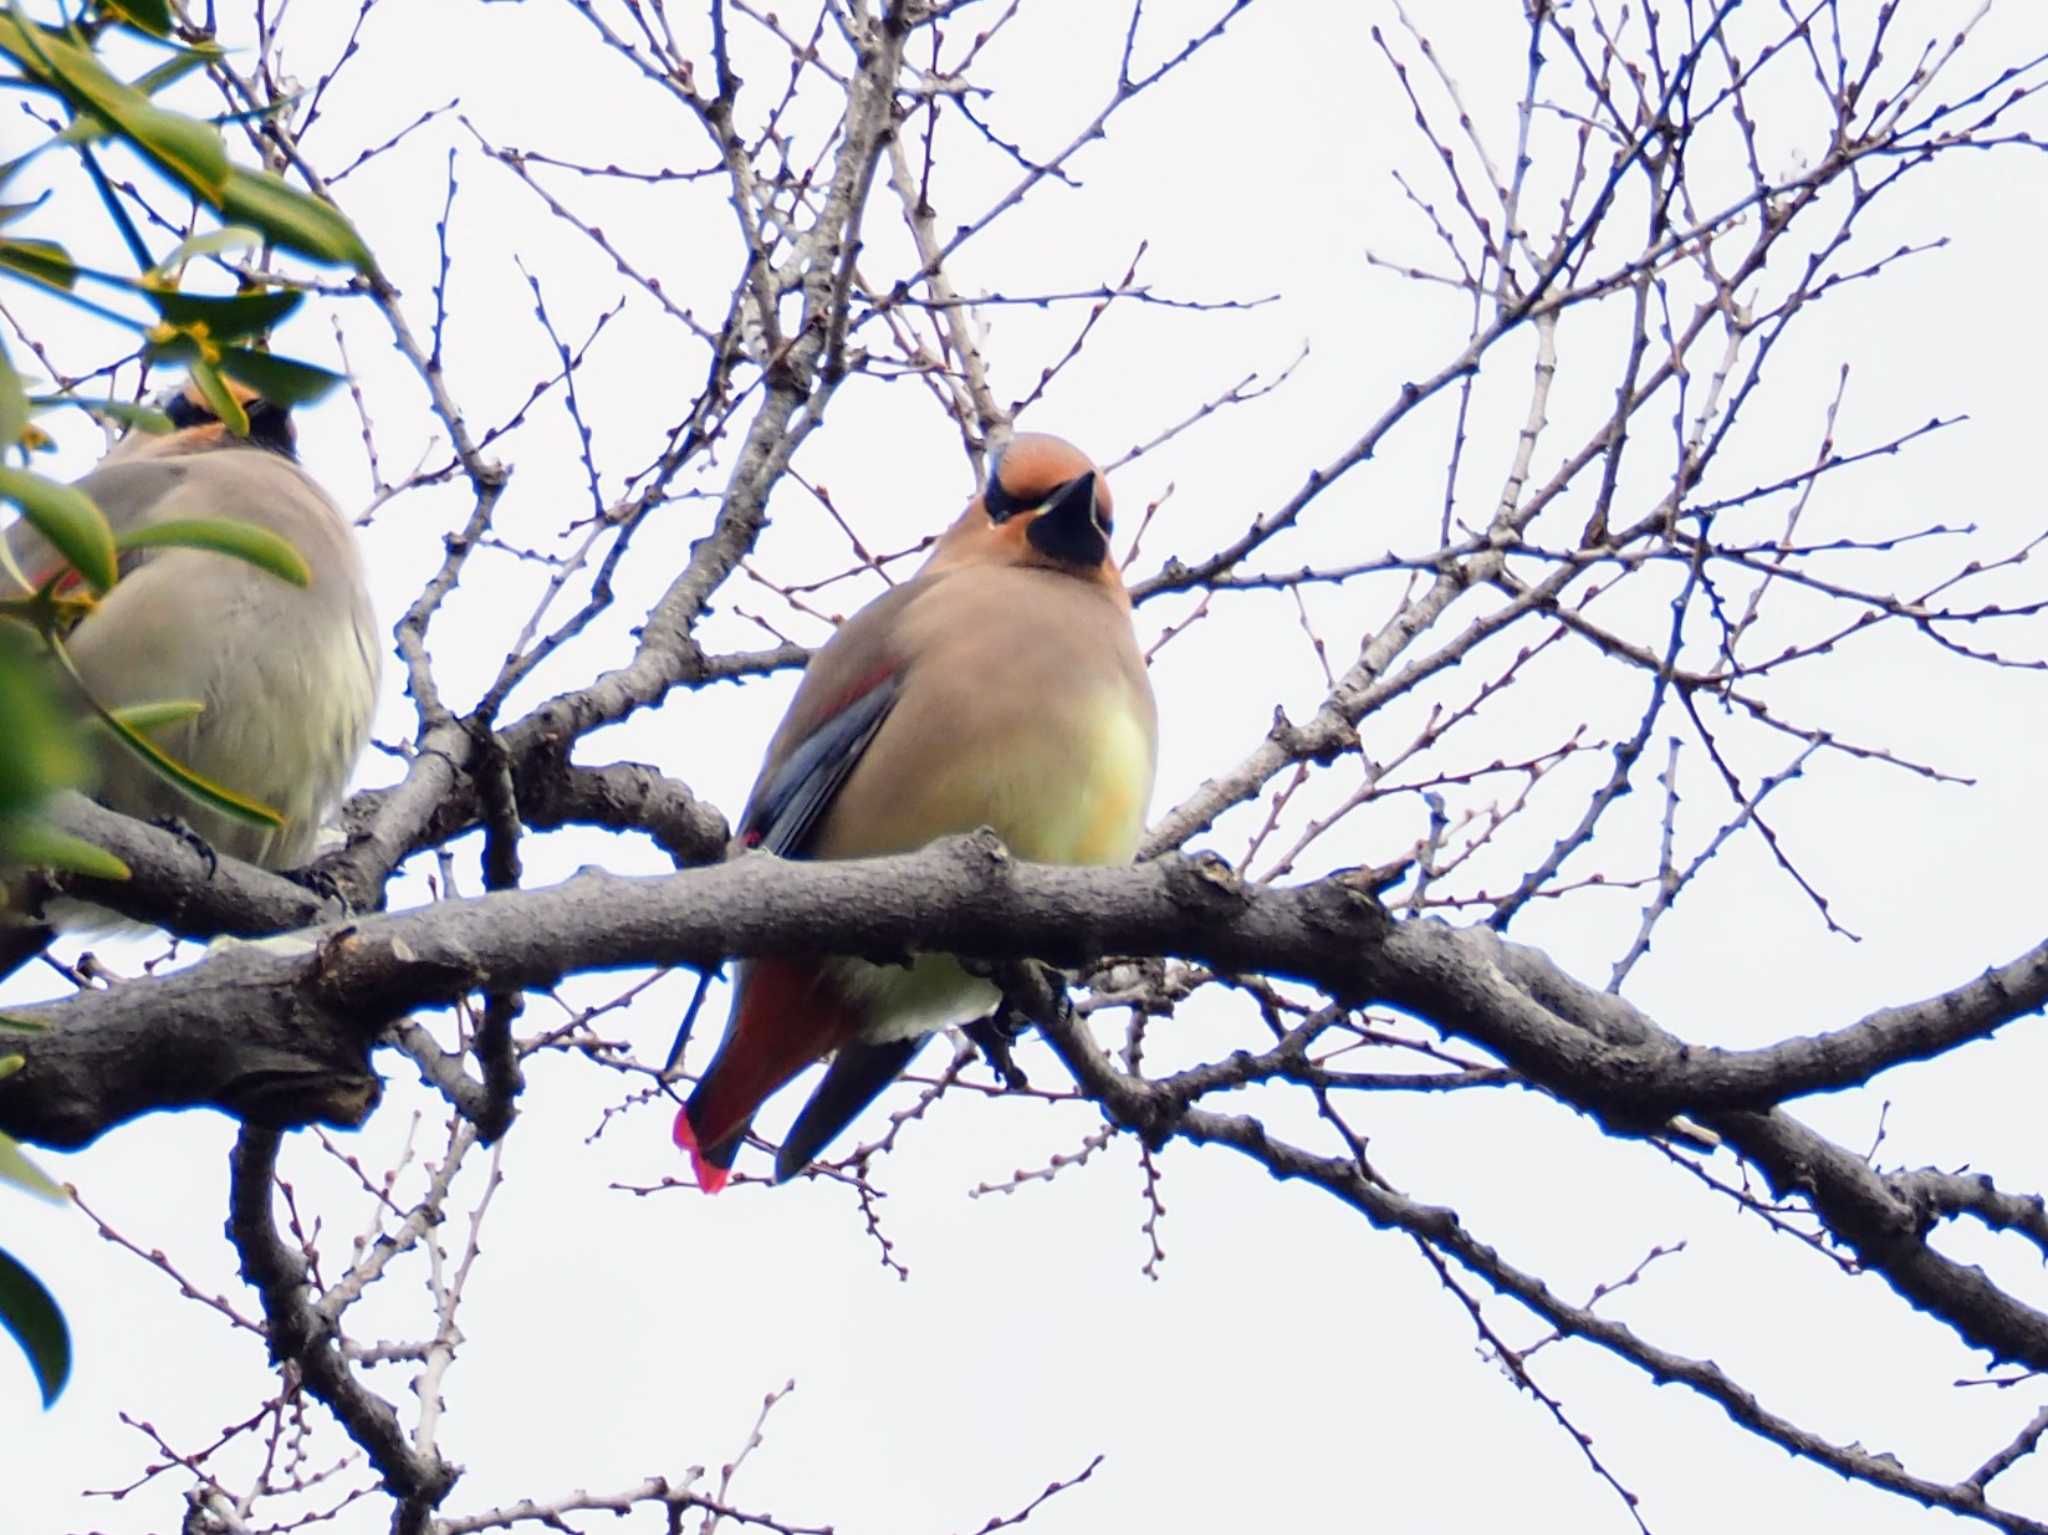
287 676
1001 686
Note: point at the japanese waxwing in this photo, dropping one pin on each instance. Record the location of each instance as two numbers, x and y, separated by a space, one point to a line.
1001 686
286 676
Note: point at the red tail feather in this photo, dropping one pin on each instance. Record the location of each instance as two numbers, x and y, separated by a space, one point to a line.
710 1177
788 1015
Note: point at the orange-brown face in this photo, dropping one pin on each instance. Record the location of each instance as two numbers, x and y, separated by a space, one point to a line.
1046 504
1030 471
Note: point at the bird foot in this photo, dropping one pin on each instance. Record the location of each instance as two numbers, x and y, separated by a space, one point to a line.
317 878
182 830
994 1036
1031 990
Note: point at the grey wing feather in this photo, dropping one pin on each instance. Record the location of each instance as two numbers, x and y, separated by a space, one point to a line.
787 808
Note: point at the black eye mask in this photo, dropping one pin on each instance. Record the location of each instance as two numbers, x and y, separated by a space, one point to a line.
185 411
1002 506
270 426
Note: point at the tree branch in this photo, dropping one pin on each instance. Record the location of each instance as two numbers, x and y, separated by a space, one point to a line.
261 1028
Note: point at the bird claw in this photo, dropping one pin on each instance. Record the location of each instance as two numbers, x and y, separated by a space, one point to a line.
1057 993
178 827
994 1036
319 880
1031 987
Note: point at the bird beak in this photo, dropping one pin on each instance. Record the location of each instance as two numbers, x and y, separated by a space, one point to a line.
1067 528
1070 529
1074 502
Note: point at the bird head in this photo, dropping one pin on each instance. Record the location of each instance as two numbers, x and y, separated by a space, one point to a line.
1045 505
195 427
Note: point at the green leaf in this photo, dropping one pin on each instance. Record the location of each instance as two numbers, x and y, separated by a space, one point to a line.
146 418
226 317
44 261
82 131
229 237
32 844
30 1312
90 130
9 212
23 1026
17 1169
178 66
13 403
219 398
189 150
151 16
9 167
293 219
241 540
281 380
39 748
214 796
65 516
150 718
28 45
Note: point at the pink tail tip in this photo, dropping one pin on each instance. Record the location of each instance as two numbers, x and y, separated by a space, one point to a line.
709 1178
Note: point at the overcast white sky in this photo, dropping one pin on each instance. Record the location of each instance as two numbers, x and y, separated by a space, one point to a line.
1291 1369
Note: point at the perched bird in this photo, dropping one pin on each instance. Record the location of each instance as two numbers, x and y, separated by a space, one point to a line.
287 676
1002 687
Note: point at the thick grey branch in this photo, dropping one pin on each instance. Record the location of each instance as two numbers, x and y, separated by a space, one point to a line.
323 995
176 887
966 895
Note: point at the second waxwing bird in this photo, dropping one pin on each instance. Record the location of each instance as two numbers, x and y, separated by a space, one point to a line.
286 676
1001 686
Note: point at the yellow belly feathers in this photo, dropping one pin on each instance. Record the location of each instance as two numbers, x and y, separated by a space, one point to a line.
1086 806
